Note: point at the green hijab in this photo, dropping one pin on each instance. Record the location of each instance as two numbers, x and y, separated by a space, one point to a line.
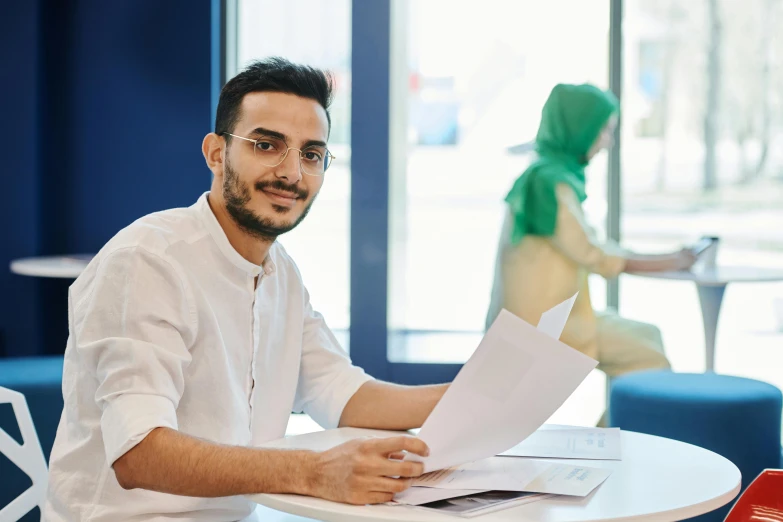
571 120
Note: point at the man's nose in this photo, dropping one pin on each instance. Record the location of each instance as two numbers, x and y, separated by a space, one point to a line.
290 169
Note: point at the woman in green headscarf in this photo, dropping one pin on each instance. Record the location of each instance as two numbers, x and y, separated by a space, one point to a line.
547 249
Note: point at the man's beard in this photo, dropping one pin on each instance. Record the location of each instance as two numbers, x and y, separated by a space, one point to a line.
237 195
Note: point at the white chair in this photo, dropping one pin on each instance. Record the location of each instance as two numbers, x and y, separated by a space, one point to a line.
28 457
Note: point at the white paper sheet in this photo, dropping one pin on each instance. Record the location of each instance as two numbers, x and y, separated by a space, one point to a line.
572 443
515 380
498 473
569 480
554 320
416 496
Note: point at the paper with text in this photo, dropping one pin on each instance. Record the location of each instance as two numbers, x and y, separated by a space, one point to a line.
505 474
573 443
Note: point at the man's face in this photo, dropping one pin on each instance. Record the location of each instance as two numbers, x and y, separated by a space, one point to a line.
268 201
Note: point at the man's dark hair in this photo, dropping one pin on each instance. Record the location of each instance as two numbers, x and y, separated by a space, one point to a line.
272 75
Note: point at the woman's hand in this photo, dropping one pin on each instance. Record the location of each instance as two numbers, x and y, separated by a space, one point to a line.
681 260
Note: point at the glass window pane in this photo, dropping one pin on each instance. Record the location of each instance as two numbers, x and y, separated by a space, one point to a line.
466 85
317 34
702 155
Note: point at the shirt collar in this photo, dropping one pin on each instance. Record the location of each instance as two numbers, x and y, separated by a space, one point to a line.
219 236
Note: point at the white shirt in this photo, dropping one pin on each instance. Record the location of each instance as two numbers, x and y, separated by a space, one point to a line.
168 330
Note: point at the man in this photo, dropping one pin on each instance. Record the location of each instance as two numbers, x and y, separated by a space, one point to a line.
192 338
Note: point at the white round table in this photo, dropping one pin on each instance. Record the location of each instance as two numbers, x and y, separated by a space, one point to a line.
657 480
711 285
65 267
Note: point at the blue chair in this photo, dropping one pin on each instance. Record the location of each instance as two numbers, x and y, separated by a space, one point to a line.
39 379
735 417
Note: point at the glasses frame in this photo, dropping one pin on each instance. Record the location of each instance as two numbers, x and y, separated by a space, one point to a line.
284 155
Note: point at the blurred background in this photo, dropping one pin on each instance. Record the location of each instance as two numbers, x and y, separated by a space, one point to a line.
106 104
699 153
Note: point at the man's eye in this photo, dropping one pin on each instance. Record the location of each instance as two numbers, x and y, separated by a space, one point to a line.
312 155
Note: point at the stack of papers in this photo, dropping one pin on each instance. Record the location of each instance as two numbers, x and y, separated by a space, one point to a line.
526 474
480 503
517 378
531 475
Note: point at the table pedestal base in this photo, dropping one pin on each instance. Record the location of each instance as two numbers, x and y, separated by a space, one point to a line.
710 298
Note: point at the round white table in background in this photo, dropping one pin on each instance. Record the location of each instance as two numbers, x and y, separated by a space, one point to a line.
657 480
65 267
711 285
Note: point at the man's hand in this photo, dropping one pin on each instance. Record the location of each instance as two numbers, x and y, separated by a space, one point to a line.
364 471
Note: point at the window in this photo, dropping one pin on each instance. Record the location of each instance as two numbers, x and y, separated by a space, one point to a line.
469 84
465 90
701 155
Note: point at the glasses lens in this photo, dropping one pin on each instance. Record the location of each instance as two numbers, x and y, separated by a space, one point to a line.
314 160
270 151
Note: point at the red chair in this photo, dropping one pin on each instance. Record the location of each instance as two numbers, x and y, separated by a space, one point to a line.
762 501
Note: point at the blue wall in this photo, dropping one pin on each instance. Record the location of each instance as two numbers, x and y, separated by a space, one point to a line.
105 106
18 212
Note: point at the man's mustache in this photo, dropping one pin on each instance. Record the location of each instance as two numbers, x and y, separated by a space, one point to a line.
300 192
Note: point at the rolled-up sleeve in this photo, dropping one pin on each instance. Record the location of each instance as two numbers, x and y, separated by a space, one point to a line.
132 330
577 240
327 379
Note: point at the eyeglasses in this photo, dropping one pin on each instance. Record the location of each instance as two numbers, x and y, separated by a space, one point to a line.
271 152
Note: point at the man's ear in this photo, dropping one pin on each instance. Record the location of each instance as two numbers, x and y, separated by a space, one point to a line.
213 148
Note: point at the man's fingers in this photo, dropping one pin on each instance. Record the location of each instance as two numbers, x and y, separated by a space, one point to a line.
399 444
397 456
378 466
397 468
390 485
377 497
